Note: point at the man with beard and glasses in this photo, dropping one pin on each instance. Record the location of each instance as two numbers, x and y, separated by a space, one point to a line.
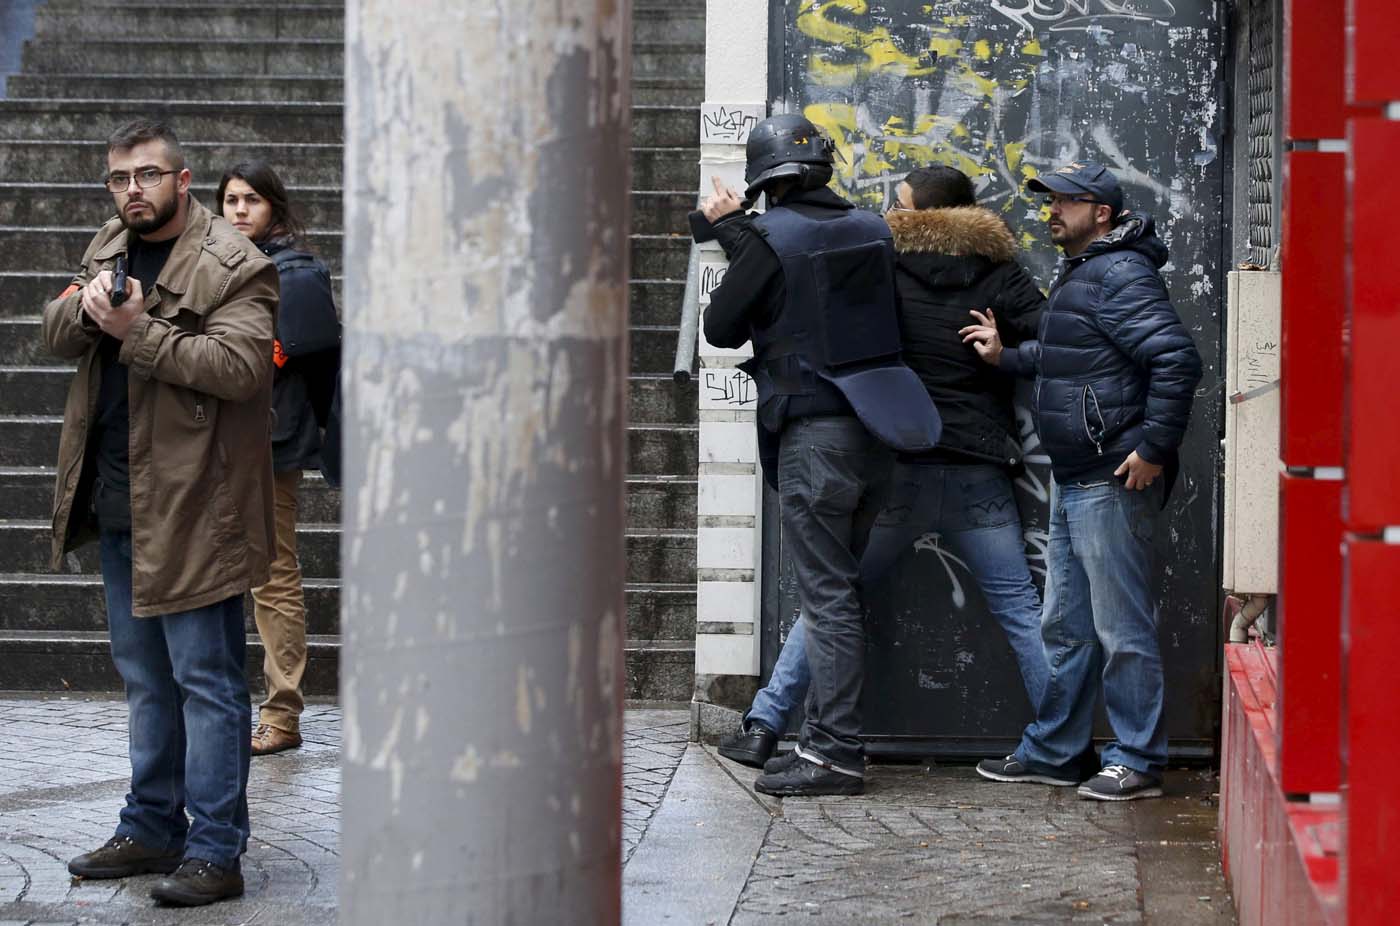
1116 374
165 459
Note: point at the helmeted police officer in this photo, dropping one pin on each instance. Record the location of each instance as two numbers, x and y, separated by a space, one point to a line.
811 284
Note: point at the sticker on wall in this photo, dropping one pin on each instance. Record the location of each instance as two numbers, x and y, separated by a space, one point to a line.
728 123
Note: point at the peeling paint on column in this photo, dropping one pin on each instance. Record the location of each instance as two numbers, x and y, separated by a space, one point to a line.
485 368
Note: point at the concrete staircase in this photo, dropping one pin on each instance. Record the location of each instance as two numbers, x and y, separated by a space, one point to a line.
264 79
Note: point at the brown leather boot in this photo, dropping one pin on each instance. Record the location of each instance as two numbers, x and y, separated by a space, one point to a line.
268 739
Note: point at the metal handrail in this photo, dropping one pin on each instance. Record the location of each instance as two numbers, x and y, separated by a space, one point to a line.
690 320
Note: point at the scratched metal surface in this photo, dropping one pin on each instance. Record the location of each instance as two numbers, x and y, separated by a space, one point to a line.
1003 89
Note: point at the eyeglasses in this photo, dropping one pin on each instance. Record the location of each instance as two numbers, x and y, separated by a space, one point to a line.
145 179
1052 200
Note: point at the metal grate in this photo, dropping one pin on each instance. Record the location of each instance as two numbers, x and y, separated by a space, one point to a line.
1263 131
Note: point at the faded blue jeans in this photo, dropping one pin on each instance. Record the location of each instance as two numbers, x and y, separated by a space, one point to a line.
188 722
1100 624
973 509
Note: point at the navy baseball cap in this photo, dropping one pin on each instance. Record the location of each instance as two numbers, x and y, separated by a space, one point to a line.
1079 177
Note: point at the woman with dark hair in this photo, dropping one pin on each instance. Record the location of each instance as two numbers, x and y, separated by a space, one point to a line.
306 356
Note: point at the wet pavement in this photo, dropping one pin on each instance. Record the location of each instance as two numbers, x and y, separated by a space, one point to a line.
923 845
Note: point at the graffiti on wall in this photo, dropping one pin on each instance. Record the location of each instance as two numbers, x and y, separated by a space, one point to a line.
1004 90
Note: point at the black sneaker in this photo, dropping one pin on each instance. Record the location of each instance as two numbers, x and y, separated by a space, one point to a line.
807 779
197 882
778 763
123 857
751 745
1013 769
1120 783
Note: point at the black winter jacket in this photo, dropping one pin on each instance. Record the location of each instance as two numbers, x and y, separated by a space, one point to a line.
950 261
302 386
1116 371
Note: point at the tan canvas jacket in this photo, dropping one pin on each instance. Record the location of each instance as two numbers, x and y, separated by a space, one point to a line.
200 388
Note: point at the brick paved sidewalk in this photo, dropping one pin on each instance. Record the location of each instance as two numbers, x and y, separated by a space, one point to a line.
64 772
924 845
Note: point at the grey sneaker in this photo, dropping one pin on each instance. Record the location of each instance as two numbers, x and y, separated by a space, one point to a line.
1120 783
1013 769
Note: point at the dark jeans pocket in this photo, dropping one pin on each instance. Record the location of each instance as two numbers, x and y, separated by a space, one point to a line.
836 485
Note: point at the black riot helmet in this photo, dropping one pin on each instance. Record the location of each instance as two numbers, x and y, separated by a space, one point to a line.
783 146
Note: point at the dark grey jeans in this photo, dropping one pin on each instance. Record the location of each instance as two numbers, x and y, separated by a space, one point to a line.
827 468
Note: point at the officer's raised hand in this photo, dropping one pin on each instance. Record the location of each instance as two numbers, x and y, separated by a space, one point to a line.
724 202
983 337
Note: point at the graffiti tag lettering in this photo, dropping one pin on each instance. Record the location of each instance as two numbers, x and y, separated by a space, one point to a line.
1082 15
729 388
726 123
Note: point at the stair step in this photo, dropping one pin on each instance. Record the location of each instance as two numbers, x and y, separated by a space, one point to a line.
78 120
672 91
652 168
669 24
652 555
83 662
42 390
660 671
54 248
22 292
249 122
646 91
186 57
215 20
652 350
38 161
67 161
46 603
71 661
655 502
29 204
652 450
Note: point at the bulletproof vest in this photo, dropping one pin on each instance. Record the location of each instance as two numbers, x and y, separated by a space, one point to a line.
838 325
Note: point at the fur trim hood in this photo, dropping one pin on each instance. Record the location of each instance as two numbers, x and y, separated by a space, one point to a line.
960 231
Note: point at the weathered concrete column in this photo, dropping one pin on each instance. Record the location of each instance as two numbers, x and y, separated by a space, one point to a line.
486 257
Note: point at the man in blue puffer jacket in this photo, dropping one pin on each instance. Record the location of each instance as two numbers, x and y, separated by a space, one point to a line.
1115 374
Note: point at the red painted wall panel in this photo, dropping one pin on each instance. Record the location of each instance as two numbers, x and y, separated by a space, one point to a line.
1373 438
1315 68
1374 36
1314 309
1310 581
1371 787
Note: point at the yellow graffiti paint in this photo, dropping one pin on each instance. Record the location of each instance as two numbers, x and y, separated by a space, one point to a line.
1033 48
877 45
982 50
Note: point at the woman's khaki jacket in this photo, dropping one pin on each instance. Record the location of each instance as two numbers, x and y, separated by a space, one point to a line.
200 388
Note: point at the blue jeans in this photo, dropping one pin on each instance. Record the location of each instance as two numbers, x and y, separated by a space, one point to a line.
188 722
972 508
1100 622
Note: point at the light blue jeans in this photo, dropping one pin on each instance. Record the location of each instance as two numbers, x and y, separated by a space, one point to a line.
1100 624
974 511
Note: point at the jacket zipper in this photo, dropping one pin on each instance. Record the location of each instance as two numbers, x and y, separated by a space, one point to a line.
199 415
1084 413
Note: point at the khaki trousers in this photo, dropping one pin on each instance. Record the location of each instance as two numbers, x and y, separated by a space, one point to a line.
279 608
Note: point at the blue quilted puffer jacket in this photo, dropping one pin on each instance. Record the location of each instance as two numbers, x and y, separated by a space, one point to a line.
1116 371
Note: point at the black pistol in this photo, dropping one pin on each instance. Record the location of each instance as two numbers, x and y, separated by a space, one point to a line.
119 283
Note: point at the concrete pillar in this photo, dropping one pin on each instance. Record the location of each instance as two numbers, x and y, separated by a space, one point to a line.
729 547
486 257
